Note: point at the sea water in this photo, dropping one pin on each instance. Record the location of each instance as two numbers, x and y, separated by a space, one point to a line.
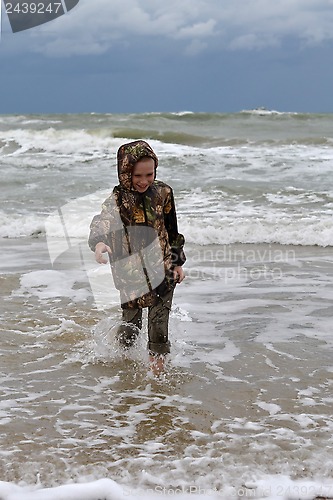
244 408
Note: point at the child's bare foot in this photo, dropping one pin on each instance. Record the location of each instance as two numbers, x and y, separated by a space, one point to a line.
157 364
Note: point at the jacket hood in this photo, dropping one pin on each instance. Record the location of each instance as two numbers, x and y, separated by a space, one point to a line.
127 156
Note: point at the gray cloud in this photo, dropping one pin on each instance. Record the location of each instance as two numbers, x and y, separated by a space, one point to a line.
95 26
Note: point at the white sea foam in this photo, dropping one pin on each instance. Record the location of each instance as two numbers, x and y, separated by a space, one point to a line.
20 225
251 231
218 228
278 487
50 284
258 230
63 142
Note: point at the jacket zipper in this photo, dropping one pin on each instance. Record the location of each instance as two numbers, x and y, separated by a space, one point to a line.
144 210
141 257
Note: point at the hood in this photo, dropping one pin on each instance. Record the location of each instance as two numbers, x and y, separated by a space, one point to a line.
128 155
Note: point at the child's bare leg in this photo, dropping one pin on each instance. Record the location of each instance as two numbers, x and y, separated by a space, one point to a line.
157 362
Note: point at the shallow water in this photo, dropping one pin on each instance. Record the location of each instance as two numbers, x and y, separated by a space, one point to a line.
247 391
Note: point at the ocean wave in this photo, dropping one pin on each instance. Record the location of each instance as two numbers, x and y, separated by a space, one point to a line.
171 113
36 121
51 140
166 137
263 112
198 130
240 230
21 226
199 230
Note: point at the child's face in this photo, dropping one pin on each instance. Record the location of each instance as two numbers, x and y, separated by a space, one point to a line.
143 174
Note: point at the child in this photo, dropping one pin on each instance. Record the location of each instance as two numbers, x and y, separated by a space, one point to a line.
138 229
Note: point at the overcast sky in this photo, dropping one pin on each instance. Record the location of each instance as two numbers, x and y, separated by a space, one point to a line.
126 56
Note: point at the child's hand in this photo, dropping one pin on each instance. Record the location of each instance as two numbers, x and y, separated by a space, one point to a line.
178 274
101 248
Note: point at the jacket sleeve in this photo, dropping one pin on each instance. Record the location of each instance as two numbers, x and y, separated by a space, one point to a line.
176 239
97 233
104 225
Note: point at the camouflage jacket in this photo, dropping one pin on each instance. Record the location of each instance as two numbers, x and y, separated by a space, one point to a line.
141 230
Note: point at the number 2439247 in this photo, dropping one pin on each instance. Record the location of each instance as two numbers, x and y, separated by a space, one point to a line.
33 8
